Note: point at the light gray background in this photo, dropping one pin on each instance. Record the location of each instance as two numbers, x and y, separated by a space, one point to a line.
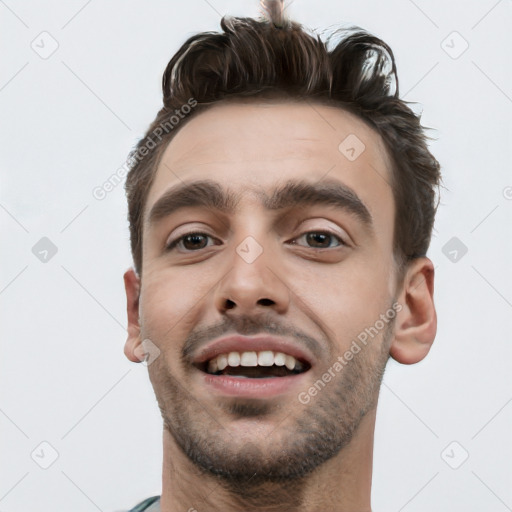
68 122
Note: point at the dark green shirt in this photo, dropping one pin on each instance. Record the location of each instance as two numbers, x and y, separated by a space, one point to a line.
148 505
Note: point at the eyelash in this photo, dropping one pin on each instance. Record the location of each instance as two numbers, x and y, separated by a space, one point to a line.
174 243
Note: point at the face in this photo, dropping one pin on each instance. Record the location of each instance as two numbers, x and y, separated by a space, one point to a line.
275 264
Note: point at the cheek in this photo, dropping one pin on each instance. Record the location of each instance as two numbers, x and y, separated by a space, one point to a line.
169 302
345 300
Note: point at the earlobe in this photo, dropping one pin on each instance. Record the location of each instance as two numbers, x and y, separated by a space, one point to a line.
416 322
133 349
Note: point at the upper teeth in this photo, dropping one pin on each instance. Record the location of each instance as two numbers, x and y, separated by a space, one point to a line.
263 358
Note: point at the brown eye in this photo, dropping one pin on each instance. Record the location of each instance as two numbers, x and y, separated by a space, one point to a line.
321 239
190 242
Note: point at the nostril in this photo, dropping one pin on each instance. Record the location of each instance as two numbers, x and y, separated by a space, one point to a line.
266 302
230 304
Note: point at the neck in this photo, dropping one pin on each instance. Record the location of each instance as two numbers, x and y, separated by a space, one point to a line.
342 484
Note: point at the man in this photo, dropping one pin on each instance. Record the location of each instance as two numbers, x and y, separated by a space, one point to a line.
281 207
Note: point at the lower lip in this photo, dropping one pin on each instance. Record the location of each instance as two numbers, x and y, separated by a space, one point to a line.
251 387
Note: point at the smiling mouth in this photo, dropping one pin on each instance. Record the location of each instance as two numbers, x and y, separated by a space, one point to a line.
254 365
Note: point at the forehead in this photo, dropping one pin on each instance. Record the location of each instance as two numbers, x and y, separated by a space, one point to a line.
258 145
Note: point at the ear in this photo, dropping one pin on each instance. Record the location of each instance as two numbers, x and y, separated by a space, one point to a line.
416 322
133 348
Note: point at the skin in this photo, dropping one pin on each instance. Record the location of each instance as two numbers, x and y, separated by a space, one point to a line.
329 295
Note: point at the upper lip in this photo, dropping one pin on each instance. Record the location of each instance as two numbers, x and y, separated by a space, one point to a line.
238 343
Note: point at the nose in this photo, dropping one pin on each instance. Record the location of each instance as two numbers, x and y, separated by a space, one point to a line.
252 282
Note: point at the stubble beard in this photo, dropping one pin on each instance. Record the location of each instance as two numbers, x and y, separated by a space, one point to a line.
312 435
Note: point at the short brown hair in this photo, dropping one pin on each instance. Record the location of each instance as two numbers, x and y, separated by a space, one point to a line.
257 58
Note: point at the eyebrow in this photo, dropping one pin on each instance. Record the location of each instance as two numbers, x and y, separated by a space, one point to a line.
210 195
